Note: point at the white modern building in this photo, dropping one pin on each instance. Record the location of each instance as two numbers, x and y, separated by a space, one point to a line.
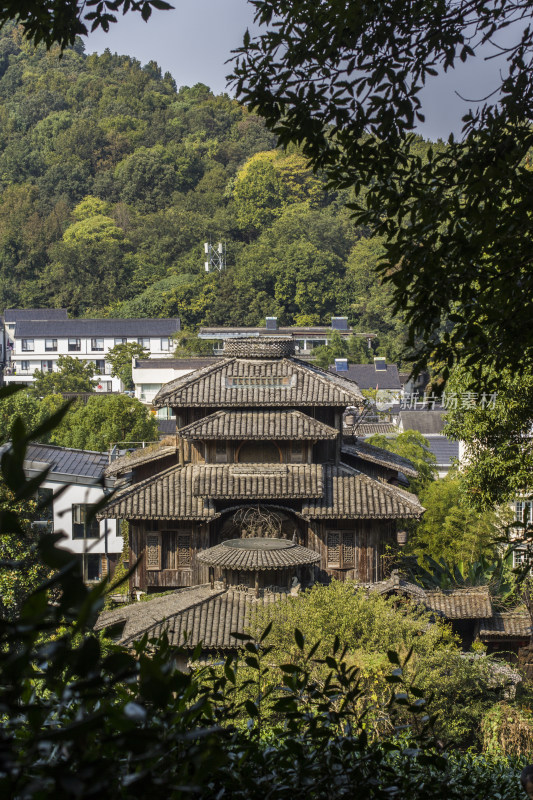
150 374
305 338
74 483
33 339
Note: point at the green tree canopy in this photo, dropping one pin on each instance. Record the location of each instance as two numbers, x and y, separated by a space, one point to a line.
451 529
120 357
104 421
496 431
347 85
73 375
411 445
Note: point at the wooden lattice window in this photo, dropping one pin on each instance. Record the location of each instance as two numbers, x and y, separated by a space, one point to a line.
184 549
153 551
341 549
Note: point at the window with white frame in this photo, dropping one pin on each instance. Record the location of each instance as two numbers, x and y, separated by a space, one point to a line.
47 366
120 340
50 345
99 366
74 345
165 343
25 366
97 344
28 345
524 511
144 341
82 528
521 557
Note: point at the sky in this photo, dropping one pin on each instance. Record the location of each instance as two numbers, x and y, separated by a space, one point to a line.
194 41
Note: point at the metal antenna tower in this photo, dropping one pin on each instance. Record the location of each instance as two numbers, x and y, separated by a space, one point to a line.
216 256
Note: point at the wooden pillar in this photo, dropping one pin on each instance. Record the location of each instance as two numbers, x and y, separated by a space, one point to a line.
212 577
257 583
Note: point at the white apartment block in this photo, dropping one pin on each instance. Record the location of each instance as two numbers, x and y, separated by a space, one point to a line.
33 339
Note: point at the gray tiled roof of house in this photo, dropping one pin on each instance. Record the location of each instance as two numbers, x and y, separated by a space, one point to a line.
97 327
505 625
125 463
424 421
365 429
257 554
278 424
468 603
24 314
367 377
350 494
262 382
258 481
190 616
445 450
69 461
377 455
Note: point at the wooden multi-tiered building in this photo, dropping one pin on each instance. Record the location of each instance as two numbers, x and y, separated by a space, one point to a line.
260 453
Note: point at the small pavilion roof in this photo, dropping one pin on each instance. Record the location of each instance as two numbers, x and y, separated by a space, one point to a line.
258 554
277 424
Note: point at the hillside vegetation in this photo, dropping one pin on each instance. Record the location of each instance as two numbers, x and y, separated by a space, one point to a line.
111 179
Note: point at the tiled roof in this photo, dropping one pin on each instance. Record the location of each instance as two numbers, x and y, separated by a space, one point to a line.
349 494
190 616
445 450
262 382
23 314
423 421
168 495
469 603
176 363
266 481
213 621
396 584
68 461
378 455
138 617
366 376
505 625
370 428
123 464
258 554
275 424
98 327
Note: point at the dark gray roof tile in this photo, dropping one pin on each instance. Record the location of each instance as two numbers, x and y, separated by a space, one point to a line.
367 377
274 424
69 461
23 314
97 327
262 382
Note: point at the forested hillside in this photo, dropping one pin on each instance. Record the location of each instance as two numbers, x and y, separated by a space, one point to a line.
111 179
